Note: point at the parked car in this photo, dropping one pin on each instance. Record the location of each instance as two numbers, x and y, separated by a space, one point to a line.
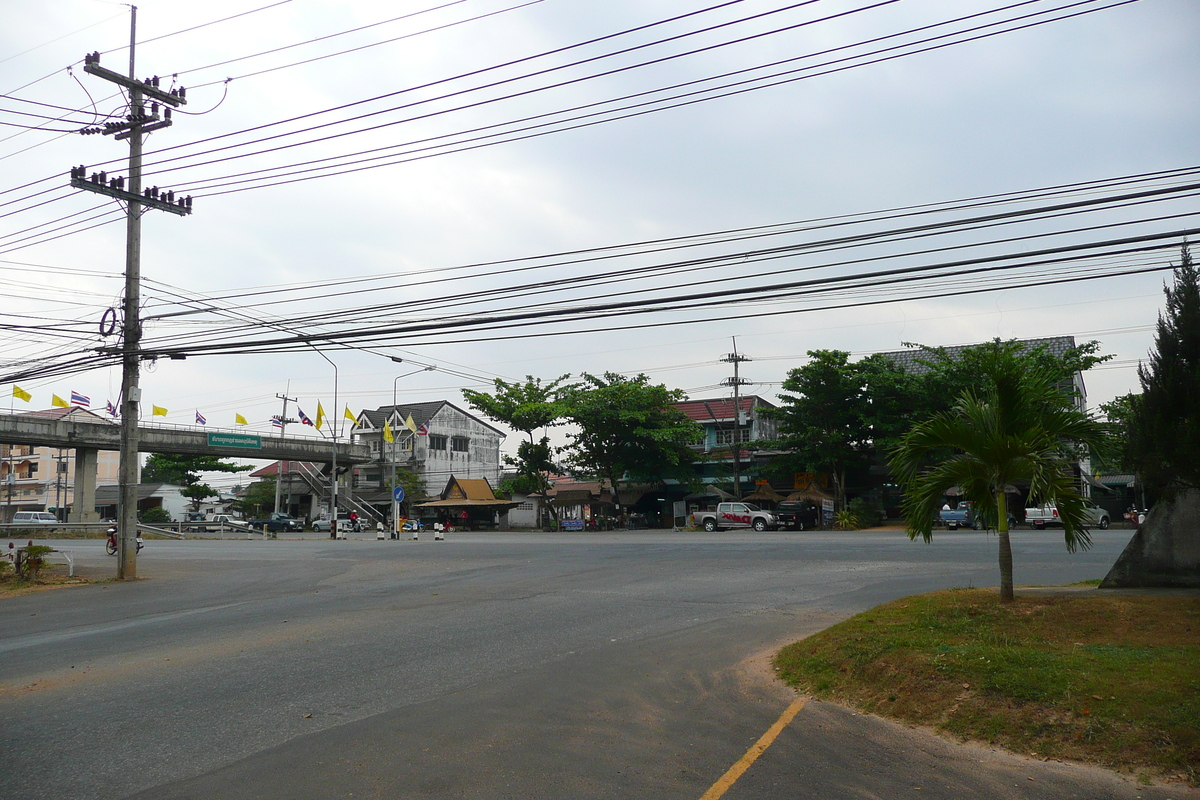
325 525
277 522
797 515
955 518
736 515
216 522
34 518
1041 516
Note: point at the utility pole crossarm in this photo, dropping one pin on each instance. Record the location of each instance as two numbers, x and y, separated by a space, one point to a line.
149 88
100 183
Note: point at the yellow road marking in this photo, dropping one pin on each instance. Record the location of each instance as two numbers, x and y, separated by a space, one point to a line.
729 778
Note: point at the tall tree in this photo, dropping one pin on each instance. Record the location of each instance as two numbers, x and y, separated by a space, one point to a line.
628 430
1018 427
826 417
1164 427
527 407
185 470
948 374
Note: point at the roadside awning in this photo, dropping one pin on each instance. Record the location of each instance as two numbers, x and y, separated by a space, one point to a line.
493 505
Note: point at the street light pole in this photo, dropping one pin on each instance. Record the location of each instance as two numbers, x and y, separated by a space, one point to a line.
333 430
392 452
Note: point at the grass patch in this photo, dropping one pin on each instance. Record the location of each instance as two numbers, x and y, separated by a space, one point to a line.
52 576
1113 681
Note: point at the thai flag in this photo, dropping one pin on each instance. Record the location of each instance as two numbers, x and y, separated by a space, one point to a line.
112 410
303 417
78 399
200 420
277 422
423 430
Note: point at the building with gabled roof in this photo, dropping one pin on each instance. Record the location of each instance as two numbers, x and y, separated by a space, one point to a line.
448 441
723 428
912 360
468 503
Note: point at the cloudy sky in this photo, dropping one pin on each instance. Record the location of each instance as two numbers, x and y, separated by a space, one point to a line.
447 206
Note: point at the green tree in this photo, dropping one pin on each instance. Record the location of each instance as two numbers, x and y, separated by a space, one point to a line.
1018 427
185 471
259 498
198 493
1118 412
1164 427
628 430
414 487
527 407
833 414
947 374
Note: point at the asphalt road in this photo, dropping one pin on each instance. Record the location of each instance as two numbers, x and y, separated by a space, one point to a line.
488 666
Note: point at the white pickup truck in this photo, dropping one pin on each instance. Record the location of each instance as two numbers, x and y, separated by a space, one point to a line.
736 515
1041 516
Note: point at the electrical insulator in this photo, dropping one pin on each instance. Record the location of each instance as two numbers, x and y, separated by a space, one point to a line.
182 93
171 196
103 177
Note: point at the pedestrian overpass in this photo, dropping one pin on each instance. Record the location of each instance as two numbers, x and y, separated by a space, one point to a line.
87 434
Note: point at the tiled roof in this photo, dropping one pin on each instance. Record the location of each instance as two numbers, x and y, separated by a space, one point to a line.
720 409
421 414
108 493
910 360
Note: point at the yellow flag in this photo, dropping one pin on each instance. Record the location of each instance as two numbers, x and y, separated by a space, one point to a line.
387 432
158 411
240 420
58 402
21 394
408 423
350 415
320 415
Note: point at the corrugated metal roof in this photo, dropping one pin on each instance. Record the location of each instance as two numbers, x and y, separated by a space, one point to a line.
721 409
910 360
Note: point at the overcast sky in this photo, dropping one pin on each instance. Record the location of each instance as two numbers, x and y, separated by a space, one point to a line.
1101 95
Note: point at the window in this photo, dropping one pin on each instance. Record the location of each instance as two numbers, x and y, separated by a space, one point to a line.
437 442
62 468
460 444
374 446
726 436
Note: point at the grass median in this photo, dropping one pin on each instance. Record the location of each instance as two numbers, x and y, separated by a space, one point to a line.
1109 680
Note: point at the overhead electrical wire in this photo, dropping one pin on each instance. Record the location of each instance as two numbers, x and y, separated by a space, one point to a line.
810 247
990 11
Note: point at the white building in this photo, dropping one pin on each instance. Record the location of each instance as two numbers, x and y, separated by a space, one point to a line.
448 441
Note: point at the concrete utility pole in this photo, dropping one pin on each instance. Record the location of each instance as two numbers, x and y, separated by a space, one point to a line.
283 423
736 381
137 124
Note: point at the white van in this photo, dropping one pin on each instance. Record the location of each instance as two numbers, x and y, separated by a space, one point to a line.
34 518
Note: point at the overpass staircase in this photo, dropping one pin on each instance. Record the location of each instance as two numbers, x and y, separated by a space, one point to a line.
318 481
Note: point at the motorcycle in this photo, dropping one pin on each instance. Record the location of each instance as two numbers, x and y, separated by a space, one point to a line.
111 546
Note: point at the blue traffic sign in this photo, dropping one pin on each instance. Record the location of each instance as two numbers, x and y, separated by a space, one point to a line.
398 494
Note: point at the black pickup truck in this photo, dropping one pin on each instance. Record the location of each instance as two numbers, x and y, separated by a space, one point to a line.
797 515
277 522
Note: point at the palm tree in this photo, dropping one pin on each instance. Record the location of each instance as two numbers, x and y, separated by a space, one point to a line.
1022 428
